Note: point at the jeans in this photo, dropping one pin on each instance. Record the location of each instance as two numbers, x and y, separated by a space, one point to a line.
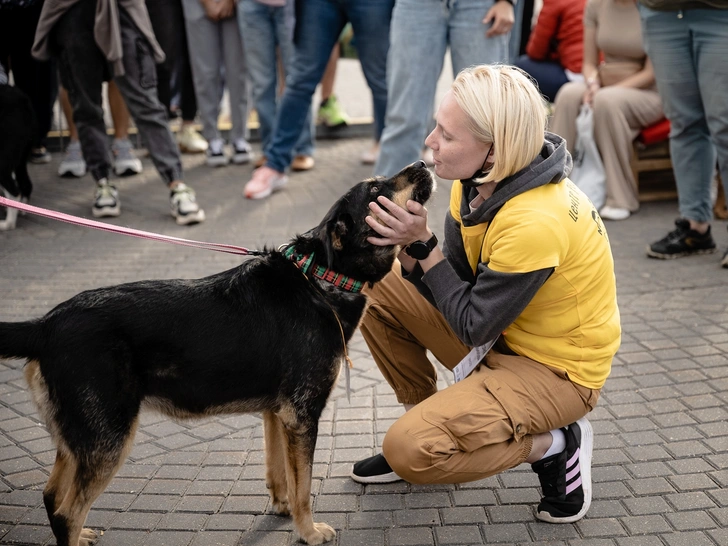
318 25
263 29
688 49
421 32
549 75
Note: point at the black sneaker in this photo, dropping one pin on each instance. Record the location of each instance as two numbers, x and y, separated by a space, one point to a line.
682 241
566 477
375 469
724 261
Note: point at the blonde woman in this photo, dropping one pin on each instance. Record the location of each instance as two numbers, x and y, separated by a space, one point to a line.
525 262
621 90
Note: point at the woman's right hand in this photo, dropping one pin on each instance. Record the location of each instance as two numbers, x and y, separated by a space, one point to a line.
592 86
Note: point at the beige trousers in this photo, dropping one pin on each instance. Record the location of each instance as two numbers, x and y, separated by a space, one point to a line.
620 113
475 428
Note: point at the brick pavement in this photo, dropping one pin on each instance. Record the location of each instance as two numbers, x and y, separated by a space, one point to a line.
661 448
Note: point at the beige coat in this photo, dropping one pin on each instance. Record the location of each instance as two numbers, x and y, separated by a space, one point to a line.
107 31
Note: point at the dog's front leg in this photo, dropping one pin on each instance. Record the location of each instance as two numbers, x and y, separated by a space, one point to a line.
300 443
275 463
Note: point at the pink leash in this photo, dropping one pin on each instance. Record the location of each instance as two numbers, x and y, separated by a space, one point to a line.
70 219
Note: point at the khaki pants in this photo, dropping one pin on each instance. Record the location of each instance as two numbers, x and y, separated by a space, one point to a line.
476 428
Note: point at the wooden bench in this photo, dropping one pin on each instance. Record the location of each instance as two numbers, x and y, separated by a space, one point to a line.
651 152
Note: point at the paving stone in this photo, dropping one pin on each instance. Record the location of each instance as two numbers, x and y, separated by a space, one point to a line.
660 465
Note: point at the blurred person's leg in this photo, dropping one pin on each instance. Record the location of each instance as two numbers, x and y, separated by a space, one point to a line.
318 25
122 150
37 79
549 75
258 24
688 54
418 42
468 43
138 88
619 115
72 163
566 109
371 25
330 112
205 48
236 76
317 29
305 145
82 69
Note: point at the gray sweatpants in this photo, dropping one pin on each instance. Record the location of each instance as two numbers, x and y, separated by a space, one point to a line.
212 45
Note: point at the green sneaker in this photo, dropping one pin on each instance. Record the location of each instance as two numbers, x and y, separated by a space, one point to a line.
331 114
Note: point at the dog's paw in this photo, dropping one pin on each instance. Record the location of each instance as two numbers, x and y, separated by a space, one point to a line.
321 533
88 537
281 507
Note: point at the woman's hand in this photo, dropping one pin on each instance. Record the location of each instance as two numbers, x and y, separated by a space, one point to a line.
502 18
395 225
592 86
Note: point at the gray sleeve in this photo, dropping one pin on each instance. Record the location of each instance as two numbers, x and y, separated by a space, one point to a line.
478 313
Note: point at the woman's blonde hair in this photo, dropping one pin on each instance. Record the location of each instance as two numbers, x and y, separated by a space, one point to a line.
504 108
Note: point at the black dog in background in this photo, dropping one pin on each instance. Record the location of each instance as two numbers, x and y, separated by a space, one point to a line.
17 127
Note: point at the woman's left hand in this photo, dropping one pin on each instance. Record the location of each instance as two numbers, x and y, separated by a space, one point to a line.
397 226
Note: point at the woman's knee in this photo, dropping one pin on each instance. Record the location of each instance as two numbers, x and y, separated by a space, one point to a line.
406 454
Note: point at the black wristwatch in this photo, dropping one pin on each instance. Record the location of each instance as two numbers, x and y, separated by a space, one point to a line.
419 250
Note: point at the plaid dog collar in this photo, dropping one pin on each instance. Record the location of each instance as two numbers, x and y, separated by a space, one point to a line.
306 264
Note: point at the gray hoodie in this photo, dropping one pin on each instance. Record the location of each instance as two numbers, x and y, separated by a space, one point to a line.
479 307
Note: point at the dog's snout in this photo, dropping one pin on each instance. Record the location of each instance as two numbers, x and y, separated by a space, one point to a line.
420 164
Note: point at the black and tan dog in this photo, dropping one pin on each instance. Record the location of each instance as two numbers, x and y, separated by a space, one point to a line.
268 336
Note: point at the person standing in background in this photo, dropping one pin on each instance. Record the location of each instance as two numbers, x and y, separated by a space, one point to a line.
688 44
214 40
318 26
476 31
35 78
556 46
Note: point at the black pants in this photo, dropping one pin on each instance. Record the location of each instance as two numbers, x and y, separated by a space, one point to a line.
37 79
168 23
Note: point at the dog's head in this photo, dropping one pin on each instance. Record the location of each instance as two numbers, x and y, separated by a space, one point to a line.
340 240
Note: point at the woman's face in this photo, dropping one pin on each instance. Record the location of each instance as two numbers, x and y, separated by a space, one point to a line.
457 153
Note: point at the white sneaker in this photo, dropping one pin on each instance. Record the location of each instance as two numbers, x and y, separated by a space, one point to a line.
216 153
242 152
184 206
614 213
106 200
125 162
190 141
11 214
73 163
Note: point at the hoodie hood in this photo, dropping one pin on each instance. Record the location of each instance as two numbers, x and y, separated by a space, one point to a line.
550 166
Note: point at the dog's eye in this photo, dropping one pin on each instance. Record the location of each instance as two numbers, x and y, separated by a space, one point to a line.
374 189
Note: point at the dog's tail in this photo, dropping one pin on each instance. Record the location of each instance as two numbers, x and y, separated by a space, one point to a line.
20 340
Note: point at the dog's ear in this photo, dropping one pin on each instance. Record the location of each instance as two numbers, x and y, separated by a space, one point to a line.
336 230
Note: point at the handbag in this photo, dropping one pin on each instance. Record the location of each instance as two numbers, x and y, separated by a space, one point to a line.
588 172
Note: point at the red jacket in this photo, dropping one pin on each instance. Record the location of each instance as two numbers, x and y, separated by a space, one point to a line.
558 34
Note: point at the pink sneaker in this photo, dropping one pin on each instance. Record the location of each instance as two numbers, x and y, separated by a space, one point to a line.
264 182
